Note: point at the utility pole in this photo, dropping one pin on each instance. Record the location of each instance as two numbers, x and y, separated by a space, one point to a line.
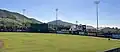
23 10
97 3
56 19
3 24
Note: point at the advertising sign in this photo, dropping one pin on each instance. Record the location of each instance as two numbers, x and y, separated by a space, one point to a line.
117 36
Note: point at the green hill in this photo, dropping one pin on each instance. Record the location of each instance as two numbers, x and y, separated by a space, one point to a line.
60 25
60 22
8 18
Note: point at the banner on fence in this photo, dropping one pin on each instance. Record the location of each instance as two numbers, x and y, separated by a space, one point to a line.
117 36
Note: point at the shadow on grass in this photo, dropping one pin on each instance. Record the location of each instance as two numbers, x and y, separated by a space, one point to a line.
113 50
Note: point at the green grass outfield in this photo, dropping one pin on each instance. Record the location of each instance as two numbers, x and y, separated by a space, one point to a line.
40 42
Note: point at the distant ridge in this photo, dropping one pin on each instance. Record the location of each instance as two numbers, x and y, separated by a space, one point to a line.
60 22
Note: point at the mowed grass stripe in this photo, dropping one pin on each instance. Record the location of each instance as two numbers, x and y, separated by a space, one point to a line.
47 42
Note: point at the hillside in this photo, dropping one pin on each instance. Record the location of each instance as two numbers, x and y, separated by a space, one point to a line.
60 22
8 18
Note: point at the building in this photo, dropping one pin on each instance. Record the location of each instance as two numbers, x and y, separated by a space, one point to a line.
78 29
91 31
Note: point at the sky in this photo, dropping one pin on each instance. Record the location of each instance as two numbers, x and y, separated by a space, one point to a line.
83 11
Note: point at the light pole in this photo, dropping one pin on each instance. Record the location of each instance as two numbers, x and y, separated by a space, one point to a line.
97 3
56 19
23 11
76 22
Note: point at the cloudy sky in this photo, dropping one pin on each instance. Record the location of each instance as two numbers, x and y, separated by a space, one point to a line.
69 10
